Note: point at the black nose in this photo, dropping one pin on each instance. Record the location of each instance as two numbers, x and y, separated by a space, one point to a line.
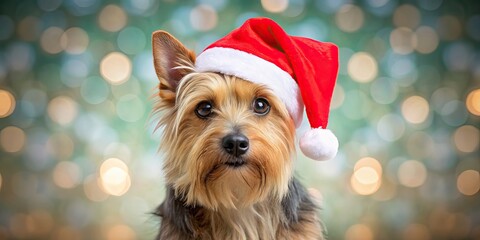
235 144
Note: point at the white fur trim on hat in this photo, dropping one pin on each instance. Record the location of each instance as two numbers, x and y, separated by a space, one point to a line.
319 144
255 69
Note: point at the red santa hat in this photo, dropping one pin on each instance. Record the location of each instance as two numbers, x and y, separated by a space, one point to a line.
300 71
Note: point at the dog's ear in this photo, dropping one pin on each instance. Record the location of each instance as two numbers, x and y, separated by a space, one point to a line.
172 62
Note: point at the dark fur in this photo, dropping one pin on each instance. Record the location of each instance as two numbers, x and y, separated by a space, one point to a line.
187 222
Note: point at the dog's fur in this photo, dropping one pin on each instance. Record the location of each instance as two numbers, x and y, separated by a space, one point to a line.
207 198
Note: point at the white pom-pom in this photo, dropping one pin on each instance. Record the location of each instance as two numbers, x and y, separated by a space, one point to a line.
319 144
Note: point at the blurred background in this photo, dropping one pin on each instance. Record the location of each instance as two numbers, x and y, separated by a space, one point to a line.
78 155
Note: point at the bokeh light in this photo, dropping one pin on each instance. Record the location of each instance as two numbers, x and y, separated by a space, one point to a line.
67 174
426 40
74 40
8 103
274 6
403 40
415 109
12 139
349 18
114 176
468 182
412 173
406 16
51 40
367 176
112 18
467 138
62 110
473 102
116 68
362 67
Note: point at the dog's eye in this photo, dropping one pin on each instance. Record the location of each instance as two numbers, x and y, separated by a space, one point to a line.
204 109
261 106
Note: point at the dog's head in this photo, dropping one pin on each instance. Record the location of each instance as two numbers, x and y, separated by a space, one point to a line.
228 142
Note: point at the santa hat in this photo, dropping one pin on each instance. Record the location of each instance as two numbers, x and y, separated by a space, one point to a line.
298 70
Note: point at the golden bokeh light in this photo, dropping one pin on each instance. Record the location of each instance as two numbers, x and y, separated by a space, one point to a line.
114 176
62 110
203 18
67 174
8 103
112 162
369 162
116 68
427 40
468 182
403 40
412 173
466 138
274 6
120 232
406 16
364 189
416 232
74 40
472 102
50 40
415 109
92 190
359 232
12 139
367 176
112 18
362 67
349 18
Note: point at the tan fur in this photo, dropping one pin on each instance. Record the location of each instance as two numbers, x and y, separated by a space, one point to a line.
196 169
236 203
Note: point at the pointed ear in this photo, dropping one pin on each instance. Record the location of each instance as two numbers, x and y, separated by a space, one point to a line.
169 57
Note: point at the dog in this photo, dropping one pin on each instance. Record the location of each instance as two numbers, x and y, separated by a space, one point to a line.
229 146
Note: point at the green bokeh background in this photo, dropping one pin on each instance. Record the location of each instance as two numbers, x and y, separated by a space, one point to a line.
68 119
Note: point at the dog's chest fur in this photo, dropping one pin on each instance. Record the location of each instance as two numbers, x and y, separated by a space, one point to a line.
293 218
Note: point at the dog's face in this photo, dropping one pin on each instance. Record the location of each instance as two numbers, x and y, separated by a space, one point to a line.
228 142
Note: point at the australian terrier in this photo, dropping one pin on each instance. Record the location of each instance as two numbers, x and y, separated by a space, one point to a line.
229 146
229 119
